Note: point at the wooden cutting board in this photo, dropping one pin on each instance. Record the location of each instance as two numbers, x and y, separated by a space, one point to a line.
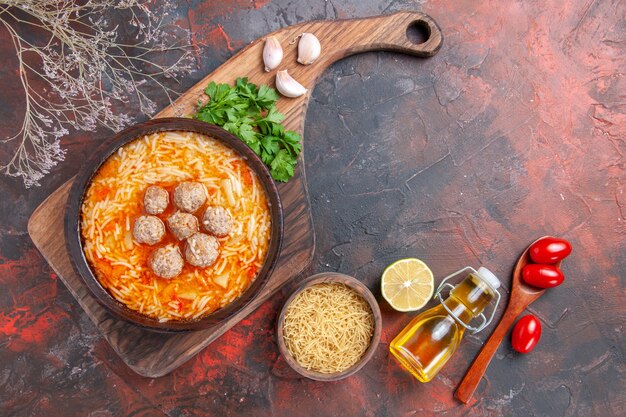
155 354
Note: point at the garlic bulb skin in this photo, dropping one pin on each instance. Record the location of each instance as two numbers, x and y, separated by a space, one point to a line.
287 86
272 53
309 49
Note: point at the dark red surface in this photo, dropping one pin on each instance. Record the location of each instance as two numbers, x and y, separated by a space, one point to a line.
514 130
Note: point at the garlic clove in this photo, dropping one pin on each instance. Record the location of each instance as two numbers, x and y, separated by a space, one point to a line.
272 53
287 86
309 49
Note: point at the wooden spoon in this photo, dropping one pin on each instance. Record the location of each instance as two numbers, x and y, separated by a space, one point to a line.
522 295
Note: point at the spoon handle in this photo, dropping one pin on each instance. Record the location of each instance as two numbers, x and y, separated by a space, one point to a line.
475 372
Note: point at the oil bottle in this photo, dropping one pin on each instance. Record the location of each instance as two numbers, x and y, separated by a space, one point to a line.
424 346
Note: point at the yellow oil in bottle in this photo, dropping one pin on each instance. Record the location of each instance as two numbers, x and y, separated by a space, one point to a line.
424 346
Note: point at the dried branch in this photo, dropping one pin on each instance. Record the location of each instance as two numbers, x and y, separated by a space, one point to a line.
84 69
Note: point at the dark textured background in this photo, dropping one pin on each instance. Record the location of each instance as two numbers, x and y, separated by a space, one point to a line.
514 130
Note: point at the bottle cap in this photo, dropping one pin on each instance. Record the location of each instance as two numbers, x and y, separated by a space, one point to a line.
489 277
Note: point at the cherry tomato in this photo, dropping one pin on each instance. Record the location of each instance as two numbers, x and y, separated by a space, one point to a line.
550 250
526 334
542 276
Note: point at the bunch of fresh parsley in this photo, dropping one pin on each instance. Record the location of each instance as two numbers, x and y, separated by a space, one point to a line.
250 113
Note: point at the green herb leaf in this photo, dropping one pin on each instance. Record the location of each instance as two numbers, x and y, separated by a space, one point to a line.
291 141
247 133
278 130
250 113
271 144
273 115
210 89
282 167
267 96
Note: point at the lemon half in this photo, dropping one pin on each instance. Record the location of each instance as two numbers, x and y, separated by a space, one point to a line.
407 284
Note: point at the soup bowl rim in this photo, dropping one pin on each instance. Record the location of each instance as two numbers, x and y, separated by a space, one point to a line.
74 240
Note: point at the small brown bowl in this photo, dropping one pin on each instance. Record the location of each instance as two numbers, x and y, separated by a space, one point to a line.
75 243
364 292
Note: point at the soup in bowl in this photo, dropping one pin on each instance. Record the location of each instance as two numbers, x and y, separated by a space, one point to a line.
176 225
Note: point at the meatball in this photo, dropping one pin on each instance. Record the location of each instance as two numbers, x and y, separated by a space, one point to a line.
217 221
189 196
148 229
182 224
155 200
202 250
166 262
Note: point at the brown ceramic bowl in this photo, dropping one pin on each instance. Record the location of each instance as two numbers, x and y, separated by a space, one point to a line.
364 292
89 169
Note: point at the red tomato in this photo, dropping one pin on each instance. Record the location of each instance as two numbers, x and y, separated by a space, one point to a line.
550 250
526 334
542 276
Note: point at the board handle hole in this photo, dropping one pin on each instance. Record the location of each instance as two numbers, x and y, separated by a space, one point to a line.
418 32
